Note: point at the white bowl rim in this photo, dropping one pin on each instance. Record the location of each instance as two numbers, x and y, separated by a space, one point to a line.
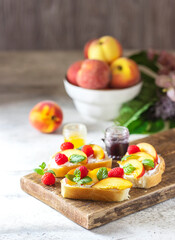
103 90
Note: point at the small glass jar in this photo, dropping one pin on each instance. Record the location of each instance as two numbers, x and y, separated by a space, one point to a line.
116 141
75 133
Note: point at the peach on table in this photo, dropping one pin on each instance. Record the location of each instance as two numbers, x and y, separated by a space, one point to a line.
46 116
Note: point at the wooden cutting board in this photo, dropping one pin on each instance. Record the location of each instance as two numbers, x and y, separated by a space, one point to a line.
91 214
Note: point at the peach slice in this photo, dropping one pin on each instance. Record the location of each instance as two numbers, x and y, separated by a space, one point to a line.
71 172
70 152
148 148
113 183
98 151
142 156
93 174
139 171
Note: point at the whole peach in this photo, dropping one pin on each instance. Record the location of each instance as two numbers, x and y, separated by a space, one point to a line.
106 49
72 72
86 48
125 73
46 116
94 74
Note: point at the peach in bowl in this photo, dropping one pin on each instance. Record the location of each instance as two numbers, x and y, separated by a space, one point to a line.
101 83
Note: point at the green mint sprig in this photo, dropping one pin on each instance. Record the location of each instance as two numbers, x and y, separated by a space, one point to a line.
128 156
80 148
77 179
84 180
128 168
102 173
41 170
148 162
76 158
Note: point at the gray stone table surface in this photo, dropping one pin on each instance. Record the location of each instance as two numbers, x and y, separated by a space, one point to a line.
25 79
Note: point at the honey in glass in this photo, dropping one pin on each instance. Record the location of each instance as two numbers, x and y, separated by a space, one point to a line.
75 133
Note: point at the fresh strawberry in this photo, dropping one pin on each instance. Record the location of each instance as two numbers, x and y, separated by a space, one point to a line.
116 172
61 158
48 178
81 171
133 149
87 149
66 145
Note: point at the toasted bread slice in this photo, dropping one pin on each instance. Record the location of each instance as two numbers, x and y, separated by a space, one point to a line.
107 189
61 171
150 178
95 194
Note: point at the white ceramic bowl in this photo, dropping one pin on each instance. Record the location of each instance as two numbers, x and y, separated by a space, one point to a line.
100 104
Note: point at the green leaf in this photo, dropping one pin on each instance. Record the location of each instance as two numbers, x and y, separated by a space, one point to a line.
172 123
76 158
128 168
43 165
128 156
39 171
102 173
148 162
80 147
51 171
84 180
143 126
132 110
76 179
156 126
77 173
141 58
138 126
70 177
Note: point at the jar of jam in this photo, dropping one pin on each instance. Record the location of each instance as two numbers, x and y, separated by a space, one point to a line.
116 141
75 133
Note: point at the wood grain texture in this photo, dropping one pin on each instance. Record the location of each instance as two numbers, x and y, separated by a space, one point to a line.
67 24
93 214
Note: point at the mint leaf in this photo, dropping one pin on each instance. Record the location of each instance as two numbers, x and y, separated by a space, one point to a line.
128 156
51 171
78 180
43 165
76 158
39 171
84 180
77 173
80 147
128 168
148 162
70 177
102 173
